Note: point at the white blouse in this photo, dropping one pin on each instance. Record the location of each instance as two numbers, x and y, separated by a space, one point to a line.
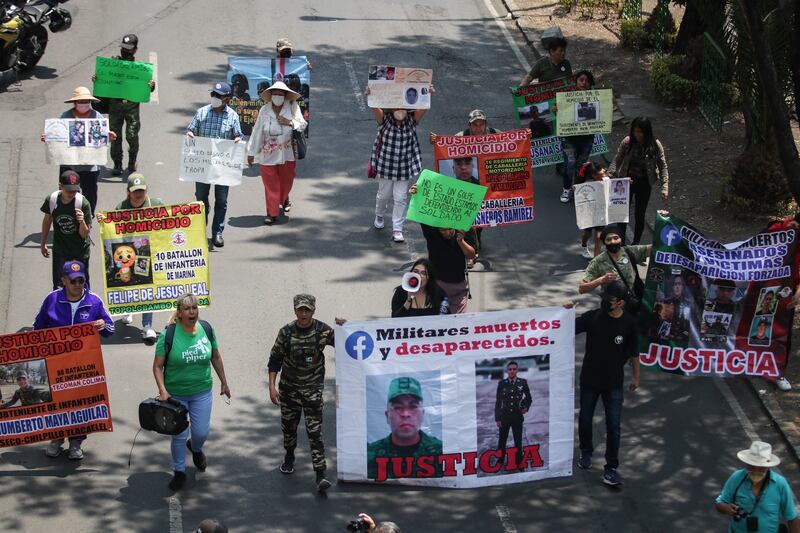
270 142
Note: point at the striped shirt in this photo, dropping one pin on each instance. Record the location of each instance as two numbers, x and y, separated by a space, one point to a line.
208 123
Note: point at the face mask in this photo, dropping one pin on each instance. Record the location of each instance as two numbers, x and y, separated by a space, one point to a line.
83 108
277 99
614 248
400 114
215 102
605 305
756 477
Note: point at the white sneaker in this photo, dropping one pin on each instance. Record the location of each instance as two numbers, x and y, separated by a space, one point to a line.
54 448
75 452
127 319
783 384
378 222
585 252
565 196
149 336
397 236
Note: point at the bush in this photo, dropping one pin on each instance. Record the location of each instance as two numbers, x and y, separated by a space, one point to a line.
634 35
757 184
670 87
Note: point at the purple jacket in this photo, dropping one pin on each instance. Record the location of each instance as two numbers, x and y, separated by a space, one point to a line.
56 311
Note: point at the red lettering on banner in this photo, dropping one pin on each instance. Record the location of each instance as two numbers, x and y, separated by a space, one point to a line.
710 361
486 461
449 461
470 458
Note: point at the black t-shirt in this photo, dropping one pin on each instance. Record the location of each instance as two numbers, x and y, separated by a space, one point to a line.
610 342
445 254
67 241
433 303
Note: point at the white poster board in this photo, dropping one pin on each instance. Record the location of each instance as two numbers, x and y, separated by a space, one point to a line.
213 161
76 141
598 203
392 87
450 368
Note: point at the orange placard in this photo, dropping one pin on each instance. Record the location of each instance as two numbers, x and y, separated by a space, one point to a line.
53 385
499 161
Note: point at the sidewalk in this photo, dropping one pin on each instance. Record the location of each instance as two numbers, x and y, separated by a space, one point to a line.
696 155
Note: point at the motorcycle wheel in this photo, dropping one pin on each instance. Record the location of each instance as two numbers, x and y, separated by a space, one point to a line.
32 48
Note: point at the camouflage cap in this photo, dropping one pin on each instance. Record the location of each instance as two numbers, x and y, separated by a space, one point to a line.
404 385
305 300
476 114
283 44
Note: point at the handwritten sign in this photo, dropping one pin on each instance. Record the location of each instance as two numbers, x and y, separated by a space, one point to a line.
584 112
445 202
392 87
126 80
213 161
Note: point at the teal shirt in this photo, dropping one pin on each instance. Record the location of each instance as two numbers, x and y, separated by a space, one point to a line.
776 501
188 368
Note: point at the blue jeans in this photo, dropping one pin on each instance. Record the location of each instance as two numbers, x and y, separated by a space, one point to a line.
199 406
201 192
147 320
576 152
612 402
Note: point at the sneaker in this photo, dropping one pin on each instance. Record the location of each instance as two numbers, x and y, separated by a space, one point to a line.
565 196
219 242
149 336
322 483
54 448
585 462
397 236
127 320
287 467
177 481
198 458
378 222
268 220
117 170
75 452
287 205
586 253
611 477
783 384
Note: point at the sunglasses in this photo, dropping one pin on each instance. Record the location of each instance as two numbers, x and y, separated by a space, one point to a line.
77 281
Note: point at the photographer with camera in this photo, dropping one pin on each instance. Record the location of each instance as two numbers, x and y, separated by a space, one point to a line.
756 497
366 523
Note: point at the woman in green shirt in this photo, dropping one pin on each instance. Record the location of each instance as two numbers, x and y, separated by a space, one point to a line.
183 372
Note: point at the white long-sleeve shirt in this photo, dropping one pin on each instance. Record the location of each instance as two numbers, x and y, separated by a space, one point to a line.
270 142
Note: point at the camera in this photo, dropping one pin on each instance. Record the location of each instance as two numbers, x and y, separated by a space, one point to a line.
750 521
358 525
740 513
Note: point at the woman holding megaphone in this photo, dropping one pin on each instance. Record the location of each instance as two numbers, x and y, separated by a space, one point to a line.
418 294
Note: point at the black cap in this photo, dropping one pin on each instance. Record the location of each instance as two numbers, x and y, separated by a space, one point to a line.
615 289
612 228
211 525
130 42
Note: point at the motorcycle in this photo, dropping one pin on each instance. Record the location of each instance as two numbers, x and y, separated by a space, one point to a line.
23 36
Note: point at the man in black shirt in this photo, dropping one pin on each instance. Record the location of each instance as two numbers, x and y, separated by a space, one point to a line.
449 251
512 403
610 344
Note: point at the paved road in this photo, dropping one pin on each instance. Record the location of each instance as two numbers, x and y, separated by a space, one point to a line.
680 435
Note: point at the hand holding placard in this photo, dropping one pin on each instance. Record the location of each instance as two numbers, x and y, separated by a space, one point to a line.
445 202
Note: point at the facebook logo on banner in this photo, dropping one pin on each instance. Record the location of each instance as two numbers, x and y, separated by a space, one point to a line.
670 235
359 345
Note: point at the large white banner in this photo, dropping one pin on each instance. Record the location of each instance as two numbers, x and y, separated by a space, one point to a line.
598 203
392 87
213 161
70 141
421 400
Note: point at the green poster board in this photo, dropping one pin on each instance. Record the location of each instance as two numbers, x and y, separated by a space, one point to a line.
584 112
125 80
445 202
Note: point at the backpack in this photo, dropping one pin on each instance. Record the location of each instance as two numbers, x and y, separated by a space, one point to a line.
79 201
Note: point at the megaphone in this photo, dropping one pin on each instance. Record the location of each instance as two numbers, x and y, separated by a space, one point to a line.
411 281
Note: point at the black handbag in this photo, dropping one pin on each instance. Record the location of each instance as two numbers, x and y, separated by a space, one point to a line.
167 418
299 145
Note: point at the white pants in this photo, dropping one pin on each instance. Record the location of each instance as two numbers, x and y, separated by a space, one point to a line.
398 191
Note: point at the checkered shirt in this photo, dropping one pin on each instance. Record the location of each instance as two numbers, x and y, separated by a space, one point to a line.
207 123
399 156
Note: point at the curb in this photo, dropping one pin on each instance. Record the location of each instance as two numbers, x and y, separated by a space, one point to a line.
780 420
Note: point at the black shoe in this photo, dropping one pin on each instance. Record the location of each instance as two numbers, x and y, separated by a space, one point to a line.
210 244
198 458
218 241
287 205
177 481
268 220
288 463
322 483
117 170
131 166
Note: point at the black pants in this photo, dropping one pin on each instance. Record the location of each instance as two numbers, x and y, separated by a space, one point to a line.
88 185
640 194
512 421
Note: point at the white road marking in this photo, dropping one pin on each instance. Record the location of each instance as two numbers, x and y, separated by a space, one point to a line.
154 62
505 519
356 87
502 25
175 517
733 403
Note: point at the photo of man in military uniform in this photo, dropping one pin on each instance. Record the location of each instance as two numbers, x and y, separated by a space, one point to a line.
404 415
26 394
510 407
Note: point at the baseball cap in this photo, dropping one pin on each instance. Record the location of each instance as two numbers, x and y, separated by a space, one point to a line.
211 525
305 300
476 114
130 42
137 182
221 88
21 374
404 385
70 180
73 270
283 44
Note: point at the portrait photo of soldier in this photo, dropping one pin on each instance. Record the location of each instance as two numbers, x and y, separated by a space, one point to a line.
510 407
30 387
412 417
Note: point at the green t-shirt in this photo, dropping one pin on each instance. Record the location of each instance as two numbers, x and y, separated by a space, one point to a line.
544 70
149 202
189 365
67 241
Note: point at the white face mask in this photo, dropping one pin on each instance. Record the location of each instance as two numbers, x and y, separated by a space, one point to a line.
400 114
83 108
215 102
277 99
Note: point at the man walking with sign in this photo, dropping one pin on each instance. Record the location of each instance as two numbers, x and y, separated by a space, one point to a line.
216 121
512 403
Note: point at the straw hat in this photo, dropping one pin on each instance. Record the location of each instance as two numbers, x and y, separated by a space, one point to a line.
280 86
81 93
759 454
